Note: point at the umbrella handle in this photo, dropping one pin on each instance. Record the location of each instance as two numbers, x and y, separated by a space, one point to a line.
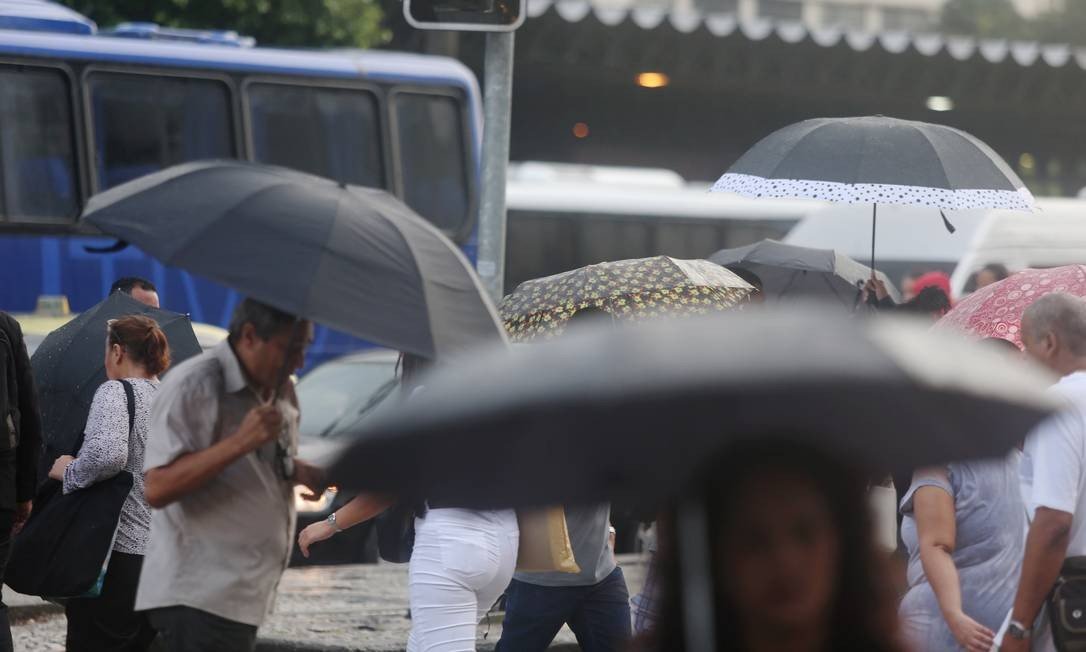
695 571
874 222
284 371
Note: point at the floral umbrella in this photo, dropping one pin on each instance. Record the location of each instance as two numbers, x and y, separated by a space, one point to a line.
996 310
636 289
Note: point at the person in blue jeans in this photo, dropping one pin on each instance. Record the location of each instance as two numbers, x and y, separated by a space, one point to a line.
594 603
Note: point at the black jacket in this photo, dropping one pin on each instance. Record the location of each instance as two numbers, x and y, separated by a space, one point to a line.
19 467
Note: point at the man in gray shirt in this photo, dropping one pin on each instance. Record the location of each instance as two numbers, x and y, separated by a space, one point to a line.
220 475
595 602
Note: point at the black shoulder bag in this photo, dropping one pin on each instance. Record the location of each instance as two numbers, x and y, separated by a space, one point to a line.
64 549
1067 606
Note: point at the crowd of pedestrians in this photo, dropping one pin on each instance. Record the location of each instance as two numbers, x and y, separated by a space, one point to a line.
207 530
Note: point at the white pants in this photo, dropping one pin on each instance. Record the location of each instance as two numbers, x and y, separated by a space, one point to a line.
461 563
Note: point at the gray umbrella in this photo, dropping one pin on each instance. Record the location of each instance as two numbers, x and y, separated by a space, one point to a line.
355 259
877 160
789 271
632 413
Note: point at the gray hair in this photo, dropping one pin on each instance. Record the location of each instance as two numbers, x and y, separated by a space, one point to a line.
1060 314
266 320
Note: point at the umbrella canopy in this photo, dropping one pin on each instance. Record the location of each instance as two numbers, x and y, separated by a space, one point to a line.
355 259
788 271
631 413
996 310
877 160
629 290
69 364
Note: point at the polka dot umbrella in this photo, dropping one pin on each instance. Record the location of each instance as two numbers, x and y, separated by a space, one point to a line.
996 310
878 160
628 290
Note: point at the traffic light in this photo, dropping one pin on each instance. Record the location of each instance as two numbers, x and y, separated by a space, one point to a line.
465 15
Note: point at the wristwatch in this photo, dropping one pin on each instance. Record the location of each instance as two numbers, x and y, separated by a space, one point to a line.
332 521
1017 630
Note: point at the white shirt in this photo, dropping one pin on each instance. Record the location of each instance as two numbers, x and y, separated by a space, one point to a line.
222 548
1054 468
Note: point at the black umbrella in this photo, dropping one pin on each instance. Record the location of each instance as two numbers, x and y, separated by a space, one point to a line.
632 413
877 160
790 271
352 258
69 365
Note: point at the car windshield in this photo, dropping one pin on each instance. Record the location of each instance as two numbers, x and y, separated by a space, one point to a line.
332 390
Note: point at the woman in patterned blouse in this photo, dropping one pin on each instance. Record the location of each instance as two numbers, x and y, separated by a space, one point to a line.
136 352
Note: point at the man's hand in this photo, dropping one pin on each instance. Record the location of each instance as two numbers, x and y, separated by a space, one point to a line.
261 425
22 514
1011 644
60 466
876 287
311 477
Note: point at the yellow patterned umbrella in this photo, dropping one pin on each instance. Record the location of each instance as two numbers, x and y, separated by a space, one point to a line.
641 288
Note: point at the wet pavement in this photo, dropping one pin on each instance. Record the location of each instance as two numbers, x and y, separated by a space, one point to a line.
359 608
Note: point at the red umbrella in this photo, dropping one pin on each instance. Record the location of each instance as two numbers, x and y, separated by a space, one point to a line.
996 310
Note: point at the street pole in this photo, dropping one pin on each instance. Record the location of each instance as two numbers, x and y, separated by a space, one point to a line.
497 107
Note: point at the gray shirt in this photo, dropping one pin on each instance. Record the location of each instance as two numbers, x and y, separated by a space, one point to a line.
108 449
589 529
223 548
989 541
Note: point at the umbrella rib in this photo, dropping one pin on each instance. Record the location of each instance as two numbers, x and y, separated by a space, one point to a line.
934 148
773 173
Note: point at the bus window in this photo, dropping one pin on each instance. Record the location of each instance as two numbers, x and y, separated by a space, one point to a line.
433 160
37 162
331 132
144 123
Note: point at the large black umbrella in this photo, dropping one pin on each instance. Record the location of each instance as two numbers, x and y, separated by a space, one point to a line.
791 272
69 365
632 413
877 160
356 259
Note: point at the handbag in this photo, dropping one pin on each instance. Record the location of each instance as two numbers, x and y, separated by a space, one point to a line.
64 549
544 541
1067 606
396 533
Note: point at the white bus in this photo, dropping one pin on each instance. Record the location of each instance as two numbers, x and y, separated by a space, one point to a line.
564 216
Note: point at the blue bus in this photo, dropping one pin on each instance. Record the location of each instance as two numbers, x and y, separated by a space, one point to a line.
82 110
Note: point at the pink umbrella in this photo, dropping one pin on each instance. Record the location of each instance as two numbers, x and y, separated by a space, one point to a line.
996 310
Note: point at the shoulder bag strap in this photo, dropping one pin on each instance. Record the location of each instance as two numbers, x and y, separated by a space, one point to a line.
131 396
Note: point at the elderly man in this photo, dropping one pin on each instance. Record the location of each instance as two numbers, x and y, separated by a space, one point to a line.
220 475
1054 465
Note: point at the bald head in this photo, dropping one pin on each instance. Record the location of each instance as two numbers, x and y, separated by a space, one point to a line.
1054 332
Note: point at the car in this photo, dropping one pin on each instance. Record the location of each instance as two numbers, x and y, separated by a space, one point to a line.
344 388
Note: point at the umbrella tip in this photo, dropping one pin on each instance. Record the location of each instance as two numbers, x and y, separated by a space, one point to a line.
949 227
107 249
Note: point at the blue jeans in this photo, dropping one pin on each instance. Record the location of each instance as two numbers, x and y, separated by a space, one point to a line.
599 615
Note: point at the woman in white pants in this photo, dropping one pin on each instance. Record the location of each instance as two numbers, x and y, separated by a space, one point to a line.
461 562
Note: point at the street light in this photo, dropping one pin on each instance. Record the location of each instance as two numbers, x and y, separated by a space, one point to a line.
465 15
940 103
653 80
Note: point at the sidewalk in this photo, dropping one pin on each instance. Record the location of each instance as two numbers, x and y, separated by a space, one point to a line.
364 608
353 608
